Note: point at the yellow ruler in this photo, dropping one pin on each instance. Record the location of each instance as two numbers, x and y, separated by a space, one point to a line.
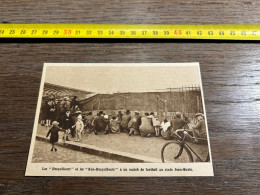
132 31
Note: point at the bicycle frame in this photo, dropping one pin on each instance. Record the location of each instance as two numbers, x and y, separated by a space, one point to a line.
183 143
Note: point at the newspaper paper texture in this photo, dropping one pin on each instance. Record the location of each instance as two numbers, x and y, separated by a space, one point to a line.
120 119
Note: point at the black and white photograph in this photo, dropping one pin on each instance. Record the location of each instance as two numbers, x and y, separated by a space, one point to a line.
120 119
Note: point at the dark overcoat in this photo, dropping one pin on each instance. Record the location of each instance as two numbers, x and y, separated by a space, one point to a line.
54 131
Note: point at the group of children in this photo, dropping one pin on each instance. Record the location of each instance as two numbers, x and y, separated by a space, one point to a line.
54 132
76 124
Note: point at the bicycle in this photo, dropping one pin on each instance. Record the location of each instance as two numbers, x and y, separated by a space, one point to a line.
179 150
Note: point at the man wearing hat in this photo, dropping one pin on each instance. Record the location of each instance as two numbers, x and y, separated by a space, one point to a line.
74 103
199 130
100 123
125 120
64 106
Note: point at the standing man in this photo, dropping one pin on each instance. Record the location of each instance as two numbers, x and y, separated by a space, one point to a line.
156 124
64 106
74 104
125 120
58 116
120 115
55 108
50 111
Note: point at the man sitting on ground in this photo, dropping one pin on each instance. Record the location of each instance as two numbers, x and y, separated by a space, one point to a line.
100 123
199 130
88 121
134 124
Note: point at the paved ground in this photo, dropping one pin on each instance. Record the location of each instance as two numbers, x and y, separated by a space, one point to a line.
149 147
42 154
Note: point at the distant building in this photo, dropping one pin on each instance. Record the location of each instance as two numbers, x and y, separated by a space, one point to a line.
57 91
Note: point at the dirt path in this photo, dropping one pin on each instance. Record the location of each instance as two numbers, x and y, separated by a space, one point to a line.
149 147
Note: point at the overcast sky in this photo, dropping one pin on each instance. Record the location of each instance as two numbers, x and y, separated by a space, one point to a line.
125 78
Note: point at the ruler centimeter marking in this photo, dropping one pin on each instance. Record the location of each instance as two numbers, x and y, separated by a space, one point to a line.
134 31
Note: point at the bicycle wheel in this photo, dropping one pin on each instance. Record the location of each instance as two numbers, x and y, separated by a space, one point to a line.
172 152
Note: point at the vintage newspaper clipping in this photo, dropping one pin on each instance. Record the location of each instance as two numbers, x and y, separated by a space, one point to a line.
120 119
